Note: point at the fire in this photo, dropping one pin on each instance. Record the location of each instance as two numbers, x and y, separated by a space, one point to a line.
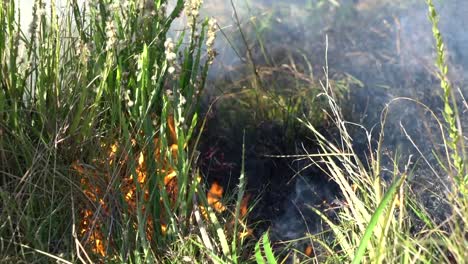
244 205
214 196
94 183
309 251
243 213
172 130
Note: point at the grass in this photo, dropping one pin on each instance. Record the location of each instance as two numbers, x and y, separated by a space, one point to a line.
96 122
100 125
377 223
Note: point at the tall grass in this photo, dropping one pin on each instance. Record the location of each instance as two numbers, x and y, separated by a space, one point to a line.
384 222
98 109
455 142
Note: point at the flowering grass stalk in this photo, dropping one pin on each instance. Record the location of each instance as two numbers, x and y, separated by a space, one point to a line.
455 142
380 222
98 109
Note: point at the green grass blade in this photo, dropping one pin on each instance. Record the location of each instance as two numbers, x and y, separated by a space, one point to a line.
240 196
375 219
258 254
270 256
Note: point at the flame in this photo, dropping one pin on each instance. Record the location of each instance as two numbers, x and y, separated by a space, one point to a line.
245 233
174 150
172 130
214 196
244 209
91 179
95 183
169 177
94 232
141 159
244 205
309 250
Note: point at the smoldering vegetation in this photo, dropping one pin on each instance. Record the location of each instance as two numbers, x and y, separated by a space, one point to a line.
380 57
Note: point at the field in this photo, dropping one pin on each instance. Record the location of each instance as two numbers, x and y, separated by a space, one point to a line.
233 132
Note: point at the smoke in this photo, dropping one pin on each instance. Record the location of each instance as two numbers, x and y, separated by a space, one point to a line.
388 46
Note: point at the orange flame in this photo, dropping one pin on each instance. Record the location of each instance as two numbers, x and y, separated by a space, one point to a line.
309 251
244 205
172 130
214 196
90 227
243 213
91 220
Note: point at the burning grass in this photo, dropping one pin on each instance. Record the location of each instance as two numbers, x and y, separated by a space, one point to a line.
135 188
95 184
99 114
104 94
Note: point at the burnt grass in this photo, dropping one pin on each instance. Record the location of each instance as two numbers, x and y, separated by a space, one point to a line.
377 52
271 181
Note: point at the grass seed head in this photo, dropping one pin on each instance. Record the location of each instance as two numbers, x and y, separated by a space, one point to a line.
211 36
111 35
